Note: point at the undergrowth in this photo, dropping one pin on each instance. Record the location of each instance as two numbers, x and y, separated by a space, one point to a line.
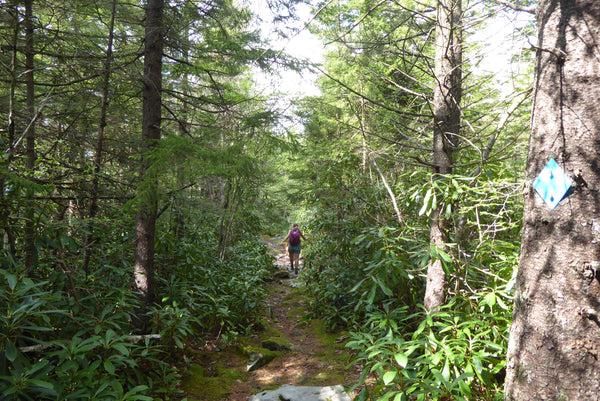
72 339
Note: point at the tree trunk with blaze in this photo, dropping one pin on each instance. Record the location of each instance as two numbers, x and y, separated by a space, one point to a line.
554 346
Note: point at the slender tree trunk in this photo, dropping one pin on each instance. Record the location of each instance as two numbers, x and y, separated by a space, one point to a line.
178 214
554 346
14 17
230 207
93 202
30 249
151 120
8 236
446 111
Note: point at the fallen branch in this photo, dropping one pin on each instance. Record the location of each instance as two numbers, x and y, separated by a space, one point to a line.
136 339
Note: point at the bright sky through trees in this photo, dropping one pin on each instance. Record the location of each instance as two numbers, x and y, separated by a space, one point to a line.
300 44
499 44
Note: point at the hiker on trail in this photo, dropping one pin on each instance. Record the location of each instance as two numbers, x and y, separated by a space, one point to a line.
294 247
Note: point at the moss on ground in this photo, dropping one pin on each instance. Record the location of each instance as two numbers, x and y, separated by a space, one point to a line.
270 331
249 350
216 385
335 353
280 341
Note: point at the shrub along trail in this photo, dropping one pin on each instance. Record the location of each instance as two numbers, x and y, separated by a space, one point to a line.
310 357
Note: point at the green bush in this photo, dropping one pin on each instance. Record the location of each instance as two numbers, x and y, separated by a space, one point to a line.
222 295
74 343
457 353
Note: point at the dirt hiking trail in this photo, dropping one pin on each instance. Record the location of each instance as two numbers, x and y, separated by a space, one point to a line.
312 356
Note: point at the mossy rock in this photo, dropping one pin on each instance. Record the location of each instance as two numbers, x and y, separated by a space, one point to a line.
246 350
257 356
276 344
259 359
281 274
266 331
228 374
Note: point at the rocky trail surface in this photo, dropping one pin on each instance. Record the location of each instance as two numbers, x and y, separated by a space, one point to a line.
301 352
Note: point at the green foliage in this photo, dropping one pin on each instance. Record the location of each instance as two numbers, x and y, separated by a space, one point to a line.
456 353
333 263
45 357
389 267
221 295
367 273
82 325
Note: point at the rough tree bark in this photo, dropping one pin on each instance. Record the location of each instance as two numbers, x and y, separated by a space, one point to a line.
554 346
151 120
446 111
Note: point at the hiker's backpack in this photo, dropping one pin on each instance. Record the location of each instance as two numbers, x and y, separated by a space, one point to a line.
295 237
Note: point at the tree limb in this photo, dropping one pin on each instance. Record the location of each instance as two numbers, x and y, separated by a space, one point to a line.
516 7
389 190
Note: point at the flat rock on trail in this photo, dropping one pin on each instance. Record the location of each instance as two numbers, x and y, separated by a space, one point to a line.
316 358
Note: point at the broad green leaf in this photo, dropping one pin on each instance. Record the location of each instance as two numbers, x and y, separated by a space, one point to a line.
109 367
110 334
401 359
446 371
42 385
448 211
490 298
372 295
477 364
103 385
12 280
386 290
400 397
425 206
501 303
11 351
389 377
122 348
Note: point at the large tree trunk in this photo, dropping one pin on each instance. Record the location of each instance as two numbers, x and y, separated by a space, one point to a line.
446 110
151 120
554 346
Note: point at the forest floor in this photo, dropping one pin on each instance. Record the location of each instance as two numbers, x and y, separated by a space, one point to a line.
315 357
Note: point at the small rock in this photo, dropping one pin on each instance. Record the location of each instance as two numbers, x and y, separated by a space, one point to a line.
281 274
342 339
275 346
258 360
303 393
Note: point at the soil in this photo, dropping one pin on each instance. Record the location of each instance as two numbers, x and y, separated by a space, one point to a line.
316 357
